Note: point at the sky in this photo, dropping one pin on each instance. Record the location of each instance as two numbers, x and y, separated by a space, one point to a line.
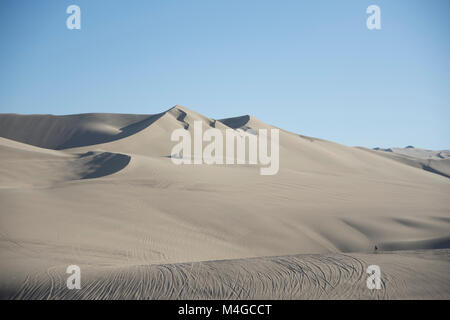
310 67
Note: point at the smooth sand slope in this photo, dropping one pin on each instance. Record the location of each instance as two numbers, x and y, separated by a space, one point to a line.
100 191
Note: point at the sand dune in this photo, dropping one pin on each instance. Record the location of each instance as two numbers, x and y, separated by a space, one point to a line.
406 275
437 162
101 191
418 153
25 165
62 132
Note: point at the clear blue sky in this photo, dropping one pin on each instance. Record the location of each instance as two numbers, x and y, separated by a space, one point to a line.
311 67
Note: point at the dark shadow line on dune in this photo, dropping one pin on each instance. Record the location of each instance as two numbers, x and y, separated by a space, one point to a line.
430 169
235 122
181 117
426 244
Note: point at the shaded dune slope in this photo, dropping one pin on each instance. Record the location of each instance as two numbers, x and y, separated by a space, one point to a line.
102 164
22 165
63 132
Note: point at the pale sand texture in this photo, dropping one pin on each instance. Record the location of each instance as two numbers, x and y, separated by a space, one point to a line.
109 198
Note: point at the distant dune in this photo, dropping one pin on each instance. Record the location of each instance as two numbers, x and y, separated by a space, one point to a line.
430 160
100 191
418 153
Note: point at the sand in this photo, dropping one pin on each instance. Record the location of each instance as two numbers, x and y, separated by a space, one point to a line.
433 161
100 191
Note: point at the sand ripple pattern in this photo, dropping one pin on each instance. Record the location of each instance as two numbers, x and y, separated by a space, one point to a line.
333 276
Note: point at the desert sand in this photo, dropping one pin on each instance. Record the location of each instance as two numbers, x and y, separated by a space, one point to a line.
100 191
433 161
